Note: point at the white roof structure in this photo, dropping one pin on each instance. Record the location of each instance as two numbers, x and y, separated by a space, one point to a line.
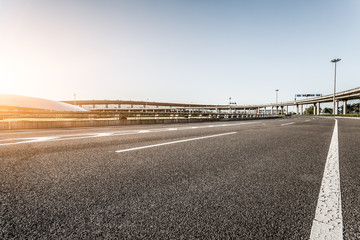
15 101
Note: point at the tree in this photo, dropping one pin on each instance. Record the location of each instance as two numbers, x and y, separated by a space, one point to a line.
309 110
328 110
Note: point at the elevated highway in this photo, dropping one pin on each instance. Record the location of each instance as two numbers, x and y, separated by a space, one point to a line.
271 108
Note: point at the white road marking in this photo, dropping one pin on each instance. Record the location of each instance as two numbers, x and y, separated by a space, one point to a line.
41 139
328 223
31 140
308 120
12 139
104 134
22 140
179 141
284 124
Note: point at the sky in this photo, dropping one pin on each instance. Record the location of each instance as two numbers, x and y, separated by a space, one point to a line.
198 51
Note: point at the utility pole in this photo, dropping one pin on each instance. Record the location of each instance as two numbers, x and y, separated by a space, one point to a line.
335 60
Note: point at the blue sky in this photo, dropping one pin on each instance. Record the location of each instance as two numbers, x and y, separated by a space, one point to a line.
178 51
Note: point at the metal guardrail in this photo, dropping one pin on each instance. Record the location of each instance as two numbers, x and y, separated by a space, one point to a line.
93 115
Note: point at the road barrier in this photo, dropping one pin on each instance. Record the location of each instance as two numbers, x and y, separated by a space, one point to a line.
11 125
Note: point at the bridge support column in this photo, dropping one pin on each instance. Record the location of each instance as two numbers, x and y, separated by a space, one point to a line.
264 110
336 110
317 108
282 109
344 106
287 109
297 109
272 110
301 109
277 110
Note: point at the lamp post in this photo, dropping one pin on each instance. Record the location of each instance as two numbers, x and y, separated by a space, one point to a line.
277 107
335 60
229 104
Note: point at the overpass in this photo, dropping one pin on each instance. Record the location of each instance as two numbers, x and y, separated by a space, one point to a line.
272 108
343 96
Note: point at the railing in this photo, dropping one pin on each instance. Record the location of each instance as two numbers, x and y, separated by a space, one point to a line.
117 115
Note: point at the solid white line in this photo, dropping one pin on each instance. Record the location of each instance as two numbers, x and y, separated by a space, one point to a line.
287 123
179 141
12 139
144 131
104 134
328 223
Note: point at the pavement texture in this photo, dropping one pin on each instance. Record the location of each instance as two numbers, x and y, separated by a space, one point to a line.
349 150
261 182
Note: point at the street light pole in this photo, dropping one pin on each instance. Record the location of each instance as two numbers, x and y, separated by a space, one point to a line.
335 60
230 105
277 107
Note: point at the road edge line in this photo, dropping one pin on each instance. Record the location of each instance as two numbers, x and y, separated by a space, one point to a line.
328 221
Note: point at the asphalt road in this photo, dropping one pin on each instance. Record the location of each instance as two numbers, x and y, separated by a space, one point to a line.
255 179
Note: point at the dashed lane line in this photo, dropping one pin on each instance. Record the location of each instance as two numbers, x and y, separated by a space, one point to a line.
173 142
328 223
16 141
284 124
144 131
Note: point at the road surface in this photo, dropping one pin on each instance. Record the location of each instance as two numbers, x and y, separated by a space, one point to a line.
259 179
